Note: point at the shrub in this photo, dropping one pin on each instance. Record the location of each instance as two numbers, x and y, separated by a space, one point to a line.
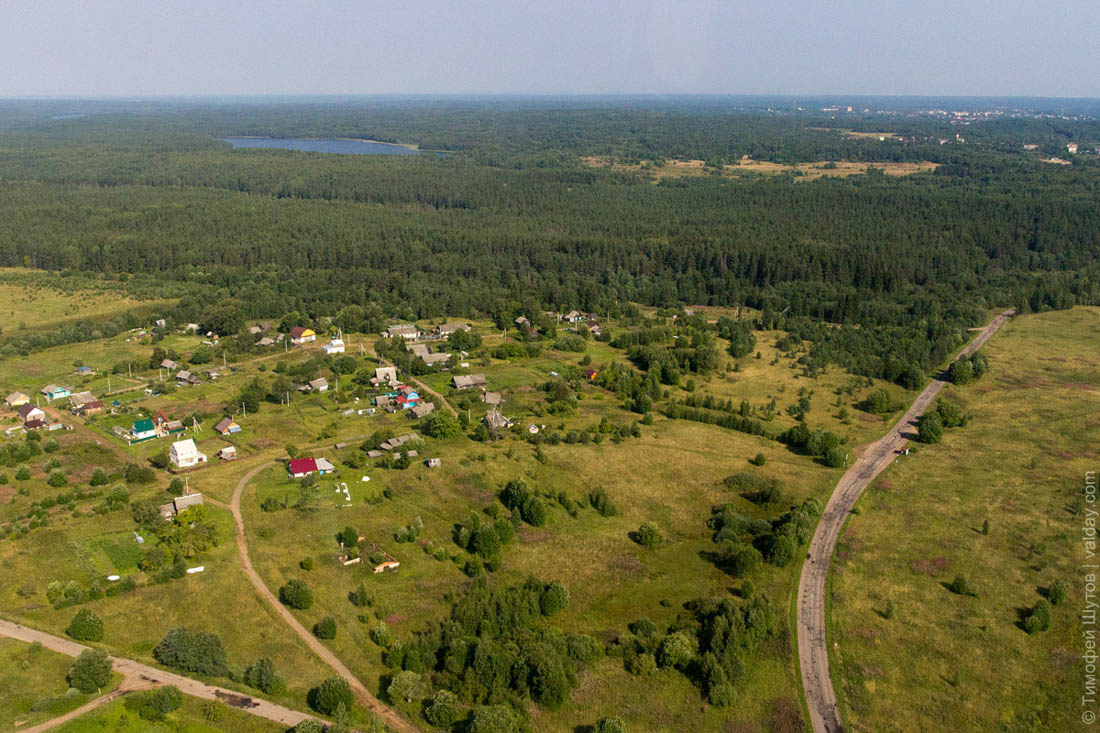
930 428
309 726
601 502
51 446
91 671
325 628
330 695
1039 618
263 677
759 459
610 725
677 650
199 652
306 563
57 478
85 626
554 598
380 634
175 486
960 586
648 536
642 665
494 719
444 709
296 594
1057 592
22 473
99 477
165 699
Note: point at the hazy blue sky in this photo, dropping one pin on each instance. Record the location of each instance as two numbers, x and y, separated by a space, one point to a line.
146 47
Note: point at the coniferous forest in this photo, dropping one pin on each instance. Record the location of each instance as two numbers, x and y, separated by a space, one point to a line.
510 220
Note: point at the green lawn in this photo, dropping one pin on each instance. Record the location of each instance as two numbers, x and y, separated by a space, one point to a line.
193 716
949 662
32 685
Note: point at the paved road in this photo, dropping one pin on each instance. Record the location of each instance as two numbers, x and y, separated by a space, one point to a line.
368 700
813 653
142 676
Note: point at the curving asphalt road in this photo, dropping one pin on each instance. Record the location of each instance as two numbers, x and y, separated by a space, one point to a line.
142 676
813 652
389 716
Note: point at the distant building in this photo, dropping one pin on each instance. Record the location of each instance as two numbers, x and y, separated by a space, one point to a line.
318 385
448 328
17 399
301 335
404 330
177 505
266 341
56 392
169 365
335 346
228 426
467 381
29 412
496 421
228 453
184 454
1071 147
434 462
422 410
301 467
142 430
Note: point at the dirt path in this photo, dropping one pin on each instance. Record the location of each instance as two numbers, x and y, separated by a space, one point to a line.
368 700
813 652
142 676
128 685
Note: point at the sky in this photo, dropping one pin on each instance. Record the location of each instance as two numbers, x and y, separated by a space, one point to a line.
234 47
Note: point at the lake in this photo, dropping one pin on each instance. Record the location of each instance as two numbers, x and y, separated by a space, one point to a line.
320 145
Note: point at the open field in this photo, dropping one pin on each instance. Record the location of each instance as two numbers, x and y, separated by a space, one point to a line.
193 716
33 687
946 661
28 304
746 166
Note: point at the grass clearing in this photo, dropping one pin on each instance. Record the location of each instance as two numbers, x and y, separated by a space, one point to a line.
1020 463
193 716
673 168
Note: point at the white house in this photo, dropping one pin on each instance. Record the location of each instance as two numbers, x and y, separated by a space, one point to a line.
406 331
336 346
184 454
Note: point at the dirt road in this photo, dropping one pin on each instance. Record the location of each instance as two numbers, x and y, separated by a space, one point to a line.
813 653
368 700
142 676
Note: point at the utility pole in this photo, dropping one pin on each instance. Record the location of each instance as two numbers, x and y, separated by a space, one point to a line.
244 409
130 367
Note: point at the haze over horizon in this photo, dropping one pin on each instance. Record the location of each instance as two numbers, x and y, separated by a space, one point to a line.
797 47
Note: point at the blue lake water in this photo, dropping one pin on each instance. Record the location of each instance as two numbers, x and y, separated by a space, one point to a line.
311 145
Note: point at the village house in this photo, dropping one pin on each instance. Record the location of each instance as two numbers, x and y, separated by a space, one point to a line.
448 328
317 385
335 346
85 371
228 426
93 407
212 374
191 328
407 398
301 335
177 505
384 375
496 421
266 341
404 330
467 381
29 412
423 409
184 454
573 316
228 453
142 430
185 378
35 424
434 462
56 392
491 398
80 398
301 467
17 399
169 365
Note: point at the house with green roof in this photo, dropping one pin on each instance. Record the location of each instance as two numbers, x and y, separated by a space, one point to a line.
142 430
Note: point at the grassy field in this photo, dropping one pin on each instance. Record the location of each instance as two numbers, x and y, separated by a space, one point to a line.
32 685
27 304
951 662
671 476
748 166
193 716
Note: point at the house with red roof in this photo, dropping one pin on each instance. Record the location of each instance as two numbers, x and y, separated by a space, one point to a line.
301 467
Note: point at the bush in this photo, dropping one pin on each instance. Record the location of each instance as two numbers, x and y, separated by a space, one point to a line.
444 709
380 634
959 586
135 474
175 486
1039 618
610 725
554 598
99 477
494 719
930 428
601 502
1057 592
91 671
199 652
440 424
759 459
57 478
330 695
306 563
296 594
51 446
648 536
309 726
263 677
325 628
85 626
22 473
165 699
677 650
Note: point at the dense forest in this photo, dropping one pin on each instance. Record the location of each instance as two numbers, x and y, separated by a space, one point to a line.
510 221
